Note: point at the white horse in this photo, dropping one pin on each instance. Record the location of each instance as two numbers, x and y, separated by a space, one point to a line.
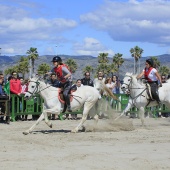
85 96
138 94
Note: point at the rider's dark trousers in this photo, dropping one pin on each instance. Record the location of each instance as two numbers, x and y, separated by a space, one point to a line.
154 91
66 90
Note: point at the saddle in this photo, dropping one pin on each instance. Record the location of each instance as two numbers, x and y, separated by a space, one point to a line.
61 97
149 93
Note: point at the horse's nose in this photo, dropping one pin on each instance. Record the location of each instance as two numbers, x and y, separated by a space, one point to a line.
26 97
123 87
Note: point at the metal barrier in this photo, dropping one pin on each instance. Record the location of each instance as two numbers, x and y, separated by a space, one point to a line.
125 99
34 106
19 106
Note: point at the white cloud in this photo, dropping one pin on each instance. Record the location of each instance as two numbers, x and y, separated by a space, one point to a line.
17 26
135 21
90 46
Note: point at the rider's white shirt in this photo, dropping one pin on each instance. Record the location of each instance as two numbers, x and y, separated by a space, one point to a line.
152 74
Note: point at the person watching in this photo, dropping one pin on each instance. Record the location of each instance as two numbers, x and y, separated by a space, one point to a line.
86 81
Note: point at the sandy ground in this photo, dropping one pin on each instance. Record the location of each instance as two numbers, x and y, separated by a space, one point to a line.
113 146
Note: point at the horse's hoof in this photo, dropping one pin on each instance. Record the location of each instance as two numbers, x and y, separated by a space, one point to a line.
74 131
25 133
51 125
83 129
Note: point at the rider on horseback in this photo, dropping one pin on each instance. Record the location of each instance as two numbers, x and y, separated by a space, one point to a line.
152 76
65 78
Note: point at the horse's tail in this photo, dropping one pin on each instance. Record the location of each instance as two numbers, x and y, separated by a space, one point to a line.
109 92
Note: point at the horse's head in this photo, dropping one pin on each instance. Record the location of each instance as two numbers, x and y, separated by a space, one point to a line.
126 83
33 87
98 84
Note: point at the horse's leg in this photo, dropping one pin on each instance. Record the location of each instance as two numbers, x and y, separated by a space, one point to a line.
141 114
96 119
126 109
32 127
87 107
47 121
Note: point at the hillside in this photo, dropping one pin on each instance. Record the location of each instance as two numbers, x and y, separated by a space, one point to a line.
82 61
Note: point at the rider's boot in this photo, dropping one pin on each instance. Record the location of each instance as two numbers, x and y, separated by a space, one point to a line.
8 119
68 103
156 97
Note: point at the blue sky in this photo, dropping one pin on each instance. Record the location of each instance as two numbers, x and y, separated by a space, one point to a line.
85 27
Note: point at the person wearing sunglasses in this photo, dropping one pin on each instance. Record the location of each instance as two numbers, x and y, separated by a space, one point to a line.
86 81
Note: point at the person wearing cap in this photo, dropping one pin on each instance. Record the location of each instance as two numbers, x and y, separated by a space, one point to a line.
64 76
152 76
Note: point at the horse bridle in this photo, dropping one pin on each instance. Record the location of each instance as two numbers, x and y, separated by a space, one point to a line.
128 85
36 89
129 88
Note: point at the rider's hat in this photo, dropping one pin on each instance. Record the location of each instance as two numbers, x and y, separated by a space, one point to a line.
150 62
56 59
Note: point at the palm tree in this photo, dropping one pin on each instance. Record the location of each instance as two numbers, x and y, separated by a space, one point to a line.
23 66
113 68
72 65
9 70
105 68
103 63
164 70
43 68
136 52
32 55
118 61
103 58
156 62
88 69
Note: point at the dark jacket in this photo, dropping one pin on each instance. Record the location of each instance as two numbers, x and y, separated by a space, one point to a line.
1 90
54 83
87 82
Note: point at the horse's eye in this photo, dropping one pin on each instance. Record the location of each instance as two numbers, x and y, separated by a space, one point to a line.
128 79
32 86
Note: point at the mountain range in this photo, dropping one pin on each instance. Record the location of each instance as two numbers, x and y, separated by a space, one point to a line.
83 61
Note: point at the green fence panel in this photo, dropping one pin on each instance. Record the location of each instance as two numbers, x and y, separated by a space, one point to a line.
34 106
19 106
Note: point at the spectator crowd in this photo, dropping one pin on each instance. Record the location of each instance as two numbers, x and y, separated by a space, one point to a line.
19 87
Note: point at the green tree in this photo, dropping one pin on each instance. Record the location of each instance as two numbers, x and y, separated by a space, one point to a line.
88 69
9 70
72 65
103 63
23 66
105 68
118 61
32 55
136 52
156 62
113 68
103 58
164 70
43 68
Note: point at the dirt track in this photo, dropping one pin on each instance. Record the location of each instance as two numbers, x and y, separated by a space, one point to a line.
113 147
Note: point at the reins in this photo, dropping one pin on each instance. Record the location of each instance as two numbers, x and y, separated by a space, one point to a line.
37 92
129 89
